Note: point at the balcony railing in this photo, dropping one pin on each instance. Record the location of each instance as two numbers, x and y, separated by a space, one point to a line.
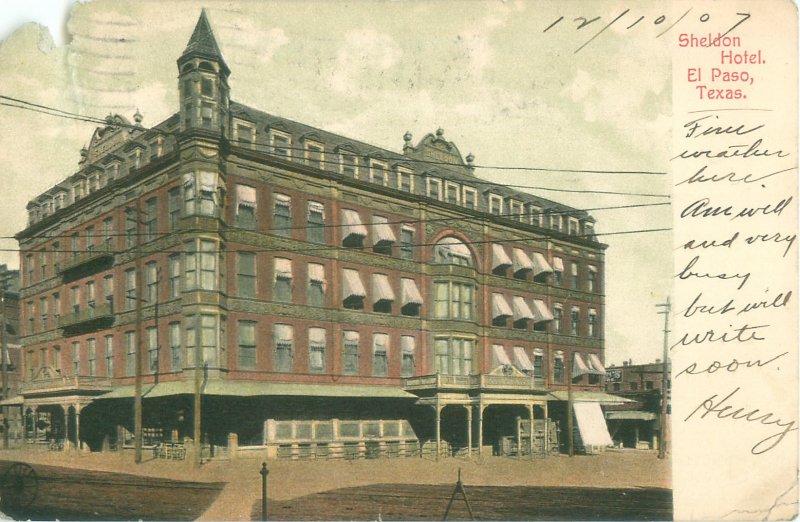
67 383
97 314
484 382
103 253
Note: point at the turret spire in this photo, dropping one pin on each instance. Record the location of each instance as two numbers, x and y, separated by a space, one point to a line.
203 44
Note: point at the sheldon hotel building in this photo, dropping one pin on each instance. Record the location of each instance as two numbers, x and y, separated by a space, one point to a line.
334 292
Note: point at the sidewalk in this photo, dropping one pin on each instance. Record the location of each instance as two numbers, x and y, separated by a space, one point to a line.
288 479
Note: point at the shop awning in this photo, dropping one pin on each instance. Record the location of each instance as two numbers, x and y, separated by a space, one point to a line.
499 257
382 232
521 359
589 396
258 389
630 415
591 424
521 309
352 225
500 356
540 264
410 292
578 366
521 261
351 284
540 312
500 306
381 289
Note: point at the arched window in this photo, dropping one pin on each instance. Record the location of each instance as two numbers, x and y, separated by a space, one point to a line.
452 251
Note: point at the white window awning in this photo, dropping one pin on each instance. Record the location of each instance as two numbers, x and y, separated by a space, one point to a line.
521 309
351 284
352 225
521 261
381 289
410 292
499 356
540 264
591 424
208 181
381 231
316 273
499 257
284 333
316 336
521 359
283 268
592 268
452 247
245 196
540 312
500 306
578 366
595 366
558 264
407 344
351 336
282 199
380 343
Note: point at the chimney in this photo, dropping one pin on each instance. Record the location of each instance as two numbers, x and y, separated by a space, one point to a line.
624 363
658 361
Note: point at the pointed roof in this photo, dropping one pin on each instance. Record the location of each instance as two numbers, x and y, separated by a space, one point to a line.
202 43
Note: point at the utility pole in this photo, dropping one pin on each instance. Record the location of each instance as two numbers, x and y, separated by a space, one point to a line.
198 377
137 394
570 435
4 357
662 428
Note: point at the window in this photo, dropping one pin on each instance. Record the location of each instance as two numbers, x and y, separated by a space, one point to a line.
451 251
174 275
175 346
207 115
108 233
245 207
515 211
350 352
43 312
648 385
91 355
588 230
536 215
453 300
75 252
315 229
555 221
207 87
134 160
573 279
573 226
247 345
152 349
43 263
174 207
411 299
378 174
434 188
538 363
454 355
382 236
130 289
407 346
495 205
206 260
380 349
246 274
315 296
76 358
574 320
57 359
283 339
353 230
591 325
56 257
130 230
348 164
314 155
200 193
470 198
280 145
382 293
90 295
207 342
451 193
558 367
501 311
282 285
108 341
31 319
558 271
56 308
634 386
30 268
150 219
130 353
353 291
316 350
244 136
558 318
151 273
405 180
156 148
282 215
591 279
407 242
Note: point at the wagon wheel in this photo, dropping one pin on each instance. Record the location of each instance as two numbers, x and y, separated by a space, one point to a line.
19 486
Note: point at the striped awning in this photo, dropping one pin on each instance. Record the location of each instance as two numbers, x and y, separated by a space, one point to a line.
500 306
352 225
540 312
499 356
522 262
381 289
410 292
540 264
521 309
351 284
522 360
578 366
499 257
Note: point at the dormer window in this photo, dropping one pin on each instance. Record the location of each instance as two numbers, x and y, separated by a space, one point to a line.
133 160
451 193
495 205
314 155
348 165
378 174
280 143
156 148
94 183
588 230
555 222
244 135
405 180
434 188
515 211
470 198
59 201
573 226
536 215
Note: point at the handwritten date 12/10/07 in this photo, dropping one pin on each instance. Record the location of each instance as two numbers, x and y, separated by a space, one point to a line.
660 23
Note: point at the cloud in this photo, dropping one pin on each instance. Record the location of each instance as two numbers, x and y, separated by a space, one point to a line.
364 54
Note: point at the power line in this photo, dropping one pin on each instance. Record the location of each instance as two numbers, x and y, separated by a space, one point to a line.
510 216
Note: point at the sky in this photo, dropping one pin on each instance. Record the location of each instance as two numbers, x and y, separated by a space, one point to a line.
485 71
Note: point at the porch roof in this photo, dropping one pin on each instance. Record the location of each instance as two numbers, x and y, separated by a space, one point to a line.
630 415
256 389
589 396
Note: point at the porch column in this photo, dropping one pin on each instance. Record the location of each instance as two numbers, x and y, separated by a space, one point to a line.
438 409
469 430
480 429
546 431
530 442
35 414
78 426
519 438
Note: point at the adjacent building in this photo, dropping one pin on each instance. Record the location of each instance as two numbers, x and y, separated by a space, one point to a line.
320 293
11 370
